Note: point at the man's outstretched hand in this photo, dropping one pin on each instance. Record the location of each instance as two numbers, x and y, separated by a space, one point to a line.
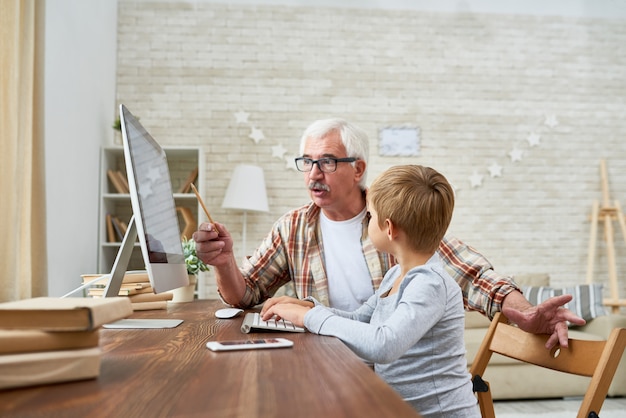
549 317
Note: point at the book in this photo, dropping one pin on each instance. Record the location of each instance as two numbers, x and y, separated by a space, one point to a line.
151 297
101 284
31 340
133 276
28 369
186 186
123 180
117 227
114 178
110 229
99 292
63 314
149 306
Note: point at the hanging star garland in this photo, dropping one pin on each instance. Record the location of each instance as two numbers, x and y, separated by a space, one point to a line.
516 153
533 139
476 179
278 151
257 135
242 117
495 170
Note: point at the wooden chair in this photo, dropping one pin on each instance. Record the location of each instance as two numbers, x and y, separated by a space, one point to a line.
595 359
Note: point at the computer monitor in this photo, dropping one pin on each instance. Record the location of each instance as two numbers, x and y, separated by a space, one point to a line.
154 220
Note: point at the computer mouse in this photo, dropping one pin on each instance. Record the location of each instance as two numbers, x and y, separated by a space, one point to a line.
228 313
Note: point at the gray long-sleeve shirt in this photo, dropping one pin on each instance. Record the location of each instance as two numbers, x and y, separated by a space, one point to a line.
414 338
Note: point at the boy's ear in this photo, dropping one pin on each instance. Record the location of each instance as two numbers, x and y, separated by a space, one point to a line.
392 231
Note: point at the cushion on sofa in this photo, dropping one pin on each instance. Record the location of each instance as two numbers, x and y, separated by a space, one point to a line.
587 301
474 319
532 279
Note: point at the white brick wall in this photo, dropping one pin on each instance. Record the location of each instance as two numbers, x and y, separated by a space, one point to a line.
476 84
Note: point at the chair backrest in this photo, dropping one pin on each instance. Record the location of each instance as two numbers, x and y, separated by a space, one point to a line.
595 359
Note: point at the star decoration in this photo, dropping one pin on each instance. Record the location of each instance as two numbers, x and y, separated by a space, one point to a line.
256 135
551 121
291 162
533 139
516 154
278 151
476 179
242 117
495 170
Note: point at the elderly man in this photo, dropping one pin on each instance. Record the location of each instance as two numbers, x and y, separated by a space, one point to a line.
324 250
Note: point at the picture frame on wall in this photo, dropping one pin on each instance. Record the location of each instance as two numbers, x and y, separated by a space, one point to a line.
399 141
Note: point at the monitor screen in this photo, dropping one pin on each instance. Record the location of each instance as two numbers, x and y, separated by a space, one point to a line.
154 212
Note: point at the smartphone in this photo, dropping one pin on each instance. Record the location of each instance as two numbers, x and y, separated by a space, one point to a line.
249 344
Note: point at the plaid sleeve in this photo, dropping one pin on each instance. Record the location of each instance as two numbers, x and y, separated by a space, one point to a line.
483 289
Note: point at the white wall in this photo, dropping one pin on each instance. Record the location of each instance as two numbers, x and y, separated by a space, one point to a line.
81 98
80 57
612 9
477 84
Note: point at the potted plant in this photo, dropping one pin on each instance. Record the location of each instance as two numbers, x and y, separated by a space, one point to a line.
194 266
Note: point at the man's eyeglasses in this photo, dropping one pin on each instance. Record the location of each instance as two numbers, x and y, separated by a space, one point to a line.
326 165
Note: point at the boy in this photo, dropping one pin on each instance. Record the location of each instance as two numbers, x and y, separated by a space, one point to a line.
412 327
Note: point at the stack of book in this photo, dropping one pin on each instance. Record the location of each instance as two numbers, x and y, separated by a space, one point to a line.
50 340
135 285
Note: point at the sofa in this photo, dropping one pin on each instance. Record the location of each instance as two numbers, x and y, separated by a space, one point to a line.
510 379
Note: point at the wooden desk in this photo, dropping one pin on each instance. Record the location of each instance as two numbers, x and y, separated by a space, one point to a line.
171 373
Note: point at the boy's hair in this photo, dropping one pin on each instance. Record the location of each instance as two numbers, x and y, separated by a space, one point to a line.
418 200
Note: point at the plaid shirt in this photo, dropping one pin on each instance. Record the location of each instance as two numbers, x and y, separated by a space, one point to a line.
294 252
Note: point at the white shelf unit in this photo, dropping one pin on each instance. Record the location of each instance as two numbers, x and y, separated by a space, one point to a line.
181 161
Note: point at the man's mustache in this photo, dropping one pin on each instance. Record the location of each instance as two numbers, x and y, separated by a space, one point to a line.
319 186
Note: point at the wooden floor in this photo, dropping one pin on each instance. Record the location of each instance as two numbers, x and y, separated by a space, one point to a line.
612 408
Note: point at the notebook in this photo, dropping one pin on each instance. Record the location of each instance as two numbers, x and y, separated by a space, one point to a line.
253 322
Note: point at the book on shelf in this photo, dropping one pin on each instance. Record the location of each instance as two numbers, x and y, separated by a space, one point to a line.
123 181
63 314
117 227
186 186
117 182
111 237
123 227
28 369
14 341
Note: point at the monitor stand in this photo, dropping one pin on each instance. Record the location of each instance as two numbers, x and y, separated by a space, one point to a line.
115 283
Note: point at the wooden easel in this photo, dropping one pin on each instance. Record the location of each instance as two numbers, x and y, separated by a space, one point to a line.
608 214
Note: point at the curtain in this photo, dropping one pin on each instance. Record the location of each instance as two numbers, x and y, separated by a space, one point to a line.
22 191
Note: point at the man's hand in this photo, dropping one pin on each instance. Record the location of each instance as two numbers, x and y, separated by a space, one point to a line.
214 245
548 317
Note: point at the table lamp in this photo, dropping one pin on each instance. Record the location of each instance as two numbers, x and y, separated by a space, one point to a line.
246 191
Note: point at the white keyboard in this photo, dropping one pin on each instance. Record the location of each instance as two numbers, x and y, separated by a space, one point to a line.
253 322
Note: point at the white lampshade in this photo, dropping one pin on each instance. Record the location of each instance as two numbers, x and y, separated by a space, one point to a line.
246 190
